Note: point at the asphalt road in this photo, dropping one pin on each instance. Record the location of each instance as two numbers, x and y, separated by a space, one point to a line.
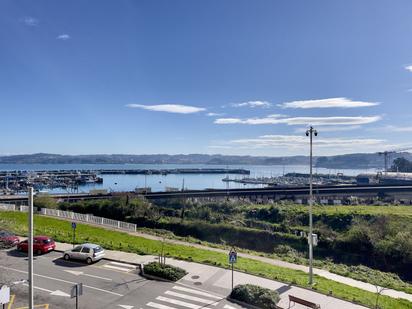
106 284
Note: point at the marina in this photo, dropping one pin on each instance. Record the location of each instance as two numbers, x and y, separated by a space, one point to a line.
70 180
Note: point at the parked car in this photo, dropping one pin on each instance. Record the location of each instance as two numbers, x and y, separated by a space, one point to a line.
41 244
86 252
7 239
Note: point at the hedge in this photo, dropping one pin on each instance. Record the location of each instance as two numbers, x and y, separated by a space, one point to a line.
167 272
256 296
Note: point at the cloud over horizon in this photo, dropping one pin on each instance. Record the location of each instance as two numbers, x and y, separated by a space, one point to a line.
327 103
322 121
169 108
299 143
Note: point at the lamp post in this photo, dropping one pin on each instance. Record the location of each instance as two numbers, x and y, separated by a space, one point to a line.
310 132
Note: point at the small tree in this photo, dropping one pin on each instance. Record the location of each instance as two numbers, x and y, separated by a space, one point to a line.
45 201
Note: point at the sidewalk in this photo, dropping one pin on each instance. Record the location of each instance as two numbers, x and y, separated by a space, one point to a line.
218 280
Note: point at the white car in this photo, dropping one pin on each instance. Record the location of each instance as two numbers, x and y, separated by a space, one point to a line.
86 252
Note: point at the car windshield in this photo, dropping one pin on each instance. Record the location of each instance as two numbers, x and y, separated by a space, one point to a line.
47 241
97 249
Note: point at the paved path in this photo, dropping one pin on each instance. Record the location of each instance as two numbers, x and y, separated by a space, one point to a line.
321 272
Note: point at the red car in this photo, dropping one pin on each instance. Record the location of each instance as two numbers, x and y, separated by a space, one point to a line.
8 239
41 244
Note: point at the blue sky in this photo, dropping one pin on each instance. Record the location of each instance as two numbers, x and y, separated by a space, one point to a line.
230 77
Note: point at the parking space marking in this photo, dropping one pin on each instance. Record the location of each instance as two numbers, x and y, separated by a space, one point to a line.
120 267
43 306
12 297
65 281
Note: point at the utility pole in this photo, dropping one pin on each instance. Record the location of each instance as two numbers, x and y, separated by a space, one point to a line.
310 132
30 249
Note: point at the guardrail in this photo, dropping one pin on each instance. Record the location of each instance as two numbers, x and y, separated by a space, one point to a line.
89 219
75 217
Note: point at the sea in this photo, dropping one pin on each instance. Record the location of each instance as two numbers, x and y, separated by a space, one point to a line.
188 181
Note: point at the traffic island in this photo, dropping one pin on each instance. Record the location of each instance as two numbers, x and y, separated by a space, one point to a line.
255 297
162 272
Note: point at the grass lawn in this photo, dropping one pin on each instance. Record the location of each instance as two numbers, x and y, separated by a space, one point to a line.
61 231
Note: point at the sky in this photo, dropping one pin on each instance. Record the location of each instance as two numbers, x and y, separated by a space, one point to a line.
219 76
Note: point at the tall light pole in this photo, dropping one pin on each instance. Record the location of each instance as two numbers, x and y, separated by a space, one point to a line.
310 132
30 248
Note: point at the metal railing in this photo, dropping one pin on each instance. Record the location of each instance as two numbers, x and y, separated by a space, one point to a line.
89 219
75 217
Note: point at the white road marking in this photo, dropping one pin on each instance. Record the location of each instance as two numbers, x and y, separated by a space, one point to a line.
60 293
159 306
196 299
117 268
126 306
80 273
192 291
55 293
178 302
123 265
229 307
61 280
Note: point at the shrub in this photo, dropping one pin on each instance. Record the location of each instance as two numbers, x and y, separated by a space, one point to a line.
256 296
167 272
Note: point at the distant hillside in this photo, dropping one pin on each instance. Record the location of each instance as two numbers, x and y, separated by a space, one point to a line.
356 160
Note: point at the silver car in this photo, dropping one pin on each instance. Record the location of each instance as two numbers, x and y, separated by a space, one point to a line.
86 252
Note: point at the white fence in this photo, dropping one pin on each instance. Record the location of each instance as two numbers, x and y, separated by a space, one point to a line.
89 218
12 207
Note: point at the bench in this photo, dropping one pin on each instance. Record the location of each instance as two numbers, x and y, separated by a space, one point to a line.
301 301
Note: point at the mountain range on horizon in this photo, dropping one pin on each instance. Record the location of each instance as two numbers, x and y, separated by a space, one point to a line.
355 160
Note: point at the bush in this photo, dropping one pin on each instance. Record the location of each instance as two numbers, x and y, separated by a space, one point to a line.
256 296
167 272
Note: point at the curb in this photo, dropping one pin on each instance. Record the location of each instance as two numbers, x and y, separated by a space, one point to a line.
239 302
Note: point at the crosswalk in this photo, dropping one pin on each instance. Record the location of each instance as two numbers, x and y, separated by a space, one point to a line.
120 267
180 297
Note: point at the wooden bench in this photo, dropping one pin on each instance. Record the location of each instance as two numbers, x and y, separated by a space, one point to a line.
301 301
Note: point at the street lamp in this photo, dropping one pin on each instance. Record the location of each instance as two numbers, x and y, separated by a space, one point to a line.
310 132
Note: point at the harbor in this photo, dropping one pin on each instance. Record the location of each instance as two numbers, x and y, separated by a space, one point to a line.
15 181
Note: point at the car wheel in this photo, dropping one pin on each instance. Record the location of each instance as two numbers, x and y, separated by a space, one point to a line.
39 252
66 257
89 260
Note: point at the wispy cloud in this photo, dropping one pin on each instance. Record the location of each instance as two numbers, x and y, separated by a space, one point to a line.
329 129
169 108
63 37
30 21
327 103
253 104
408 68
299 141
214 114
322 121
398 128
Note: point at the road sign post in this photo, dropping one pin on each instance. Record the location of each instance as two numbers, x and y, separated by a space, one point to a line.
232 261
76 291
74 225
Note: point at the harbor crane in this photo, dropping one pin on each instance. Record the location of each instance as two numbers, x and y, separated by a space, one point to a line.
386 155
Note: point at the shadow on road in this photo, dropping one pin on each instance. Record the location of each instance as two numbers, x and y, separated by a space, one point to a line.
73 264
17 253
283 289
